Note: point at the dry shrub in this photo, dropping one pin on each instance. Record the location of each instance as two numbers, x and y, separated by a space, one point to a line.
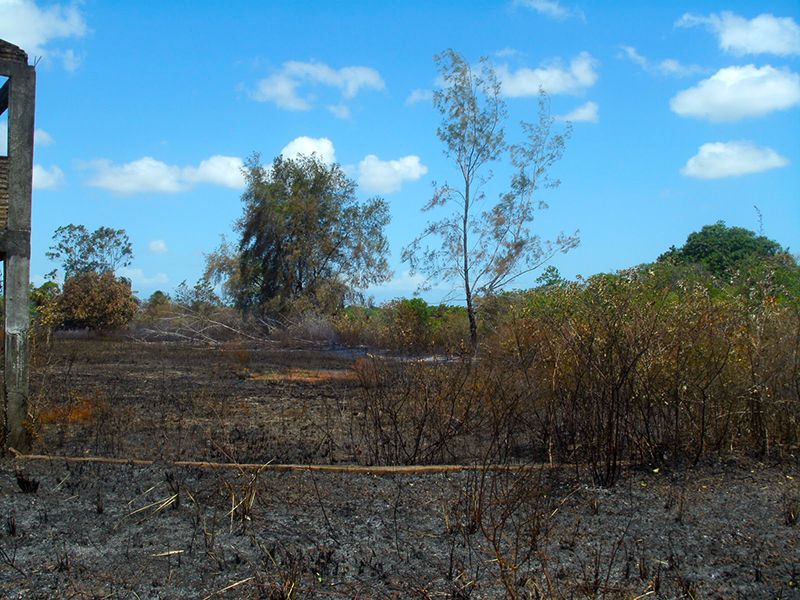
439 411
623 367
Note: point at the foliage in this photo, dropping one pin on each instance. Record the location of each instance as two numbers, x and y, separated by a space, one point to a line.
222 269
46 313
407 325
97 301
201 297
81 252
157 306
486 251
305 236
721 248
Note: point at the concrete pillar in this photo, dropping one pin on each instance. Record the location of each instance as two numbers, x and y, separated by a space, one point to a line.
15 240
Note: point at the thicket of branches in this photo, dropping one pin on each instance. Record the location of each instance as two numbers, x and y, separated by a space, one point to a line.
649 365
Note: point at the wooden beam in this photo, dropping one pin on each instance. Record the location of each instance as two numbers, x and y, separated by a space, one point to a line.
4 96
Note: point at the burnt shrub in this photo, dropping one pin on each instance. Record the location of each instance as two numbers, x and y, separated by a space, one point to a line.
96 301
655 364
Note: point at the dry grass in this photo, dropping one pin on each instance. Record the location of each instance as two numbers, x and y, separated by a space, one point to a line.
305 375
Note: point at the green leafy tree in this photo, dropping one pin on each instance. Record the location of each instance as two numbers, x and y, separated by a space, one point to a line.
305 236
79 251
485 250
721 248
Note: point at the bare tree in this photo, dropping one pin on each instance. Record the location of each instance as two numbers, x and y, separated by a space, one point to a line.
483 251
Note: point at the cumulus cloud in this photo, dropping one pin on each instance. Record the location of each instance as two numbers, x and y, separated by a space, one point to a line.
138 277
32 28
734 93
419 96
282 88
217 170
148 175
761 35
158 247
47 179
387 176
553 9
41 138
732 159
307 146
555 78
587 113
140 176
668 66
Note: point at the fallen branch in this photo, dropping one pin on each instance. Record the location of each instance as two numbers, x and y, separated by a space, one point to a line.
355 469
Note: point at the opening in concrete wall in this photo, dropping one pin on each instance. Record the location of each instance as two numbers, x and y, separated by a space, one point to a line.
3 124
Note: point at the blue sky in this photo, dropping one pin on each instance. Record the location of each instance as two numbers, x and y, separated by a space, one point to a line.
684 113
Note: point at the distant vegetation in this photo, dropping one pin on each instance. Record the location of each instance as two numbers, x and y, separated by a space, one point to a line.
693 355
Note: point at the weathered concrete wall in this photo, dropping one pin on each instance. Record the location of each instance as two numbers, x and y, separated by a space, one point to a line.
21 92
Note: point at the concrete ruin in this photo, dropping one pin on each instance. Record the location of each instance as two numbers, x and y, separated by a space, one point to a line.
17 95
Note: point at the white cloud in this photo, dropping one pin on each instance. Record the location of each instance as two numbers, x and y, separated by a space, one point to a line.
42 138
553 9
138 277
732 159
419 96
148 175
555 78
668 66
32 28
587 113
387 176
736 35
47 179
218 170
340 111
140 176
282 90
306 146
158 247
282 87
734 93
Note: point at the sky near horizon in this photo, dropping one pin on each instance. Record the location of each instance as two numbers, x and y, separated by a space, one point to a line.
683 114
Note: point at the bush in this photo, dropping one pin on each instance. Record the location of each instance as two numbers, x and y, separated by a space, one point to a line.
98 302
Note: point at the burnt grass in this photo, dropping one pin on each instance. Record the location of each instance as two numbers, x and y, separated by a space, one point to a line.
724 528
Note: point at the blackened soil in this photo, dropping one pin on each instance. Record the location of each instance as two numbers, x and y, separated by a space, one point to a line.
93 530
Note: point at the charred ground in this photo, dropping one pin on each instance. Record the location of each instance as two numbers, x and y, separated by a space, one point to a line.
721 528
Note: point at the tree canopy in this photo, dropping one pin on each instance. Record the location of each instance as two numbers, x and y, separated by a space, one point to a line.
103 250
304 235
721 248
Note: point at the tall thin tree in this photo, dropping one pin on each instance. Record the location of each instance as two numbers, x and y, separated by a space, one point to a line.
483 251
